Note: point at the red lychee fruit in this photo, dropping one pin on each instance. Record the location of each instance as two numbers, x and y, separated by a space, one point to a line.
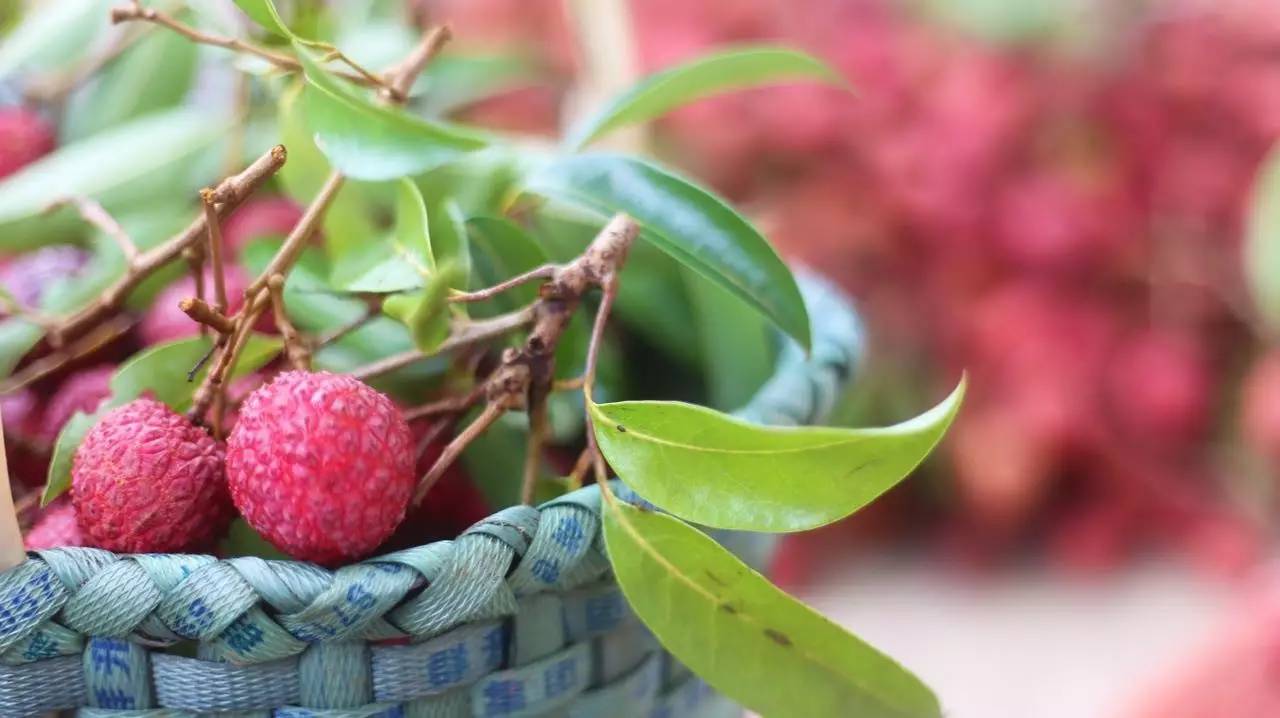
82 391
166 322
24 138
321 465
147 480
1260 406
26 453
55 528
260 218
1160 386
29 276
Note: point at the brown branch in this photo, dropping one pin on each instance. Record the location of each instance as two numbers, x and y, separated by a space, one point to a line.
546 271
470 333
526 374
580 467
533 449
301 233
294 347
200 311
401 76
94 214
214 249
447 405
230 193
491 413
98 337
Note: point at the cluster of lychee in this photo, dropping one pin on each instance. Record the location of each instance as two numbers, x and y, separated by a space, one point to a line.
1064 226
321 465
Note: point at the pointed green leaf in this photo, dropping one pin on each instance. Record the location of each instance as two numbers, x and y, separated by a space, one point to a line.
449 241
724 71
1262 241
368 141
264 13
53 35
426 313
688 223
347 223
159 372
718 471
397 263
744 636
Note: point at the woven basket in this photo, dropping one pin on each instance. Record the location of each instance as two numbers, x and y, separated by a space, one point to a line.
518 616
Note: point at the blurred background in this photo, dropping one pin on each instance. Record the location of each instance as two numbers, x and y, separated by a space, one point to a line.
1053 195
1059 197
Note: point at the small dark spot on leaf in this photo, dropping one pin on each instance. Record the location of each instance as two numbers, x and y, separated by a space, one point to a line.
777 637
622 429
728 608
714 578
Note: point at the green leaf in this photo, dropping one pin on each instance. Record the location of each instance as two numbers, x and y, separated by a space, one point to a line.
426 313
688 223
242 540
118 165
17 337
400 262
721 472
347 224
265 14
725 71
449 241
160 372
374 142
130 86
53 35
736 343
744 636
501 249
1262 241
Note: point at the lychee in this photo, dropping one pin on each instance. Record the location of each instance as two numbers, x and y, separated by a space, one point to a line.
55 528
1260 406
82 391
28 277
166 322
321 465
148 480
260 218
24 138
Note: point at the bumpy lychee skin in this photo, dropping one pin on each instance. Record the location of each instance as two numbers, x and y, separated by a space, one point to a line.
55 528
146 480
321 465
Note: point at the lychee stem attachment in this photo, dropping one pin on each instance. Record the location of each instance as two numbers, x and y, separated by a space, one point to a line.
294 346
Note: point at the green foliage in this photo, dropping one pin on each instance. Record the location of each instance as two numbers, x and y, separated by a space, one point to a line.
131 87
122 166
746 637
401 262
714 470
426 313
500 249
1262 242
53 36
159 372
685 221
705 76
264 13
369 141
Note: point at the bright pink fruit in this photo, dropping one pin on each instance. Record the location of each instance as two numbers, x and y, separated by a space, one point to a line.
321 465
55 528
24 138
147 480
260 218
165 321
82 391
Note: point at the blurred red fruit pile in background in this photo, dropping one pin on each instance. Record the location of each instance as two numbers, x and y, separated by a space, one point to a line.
1063 225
